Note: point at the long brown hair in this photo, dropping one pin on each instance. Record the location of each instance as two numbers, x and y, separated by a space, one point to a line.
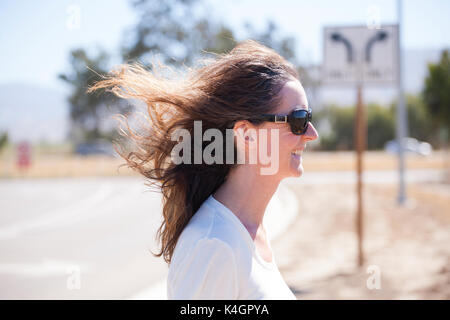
234 86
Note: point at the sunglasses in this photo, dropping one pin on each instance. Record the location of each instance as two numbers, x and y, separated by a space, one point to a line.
297 119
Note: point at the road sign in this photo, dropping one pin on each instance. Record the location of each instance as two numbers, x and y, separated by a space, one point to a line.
358 54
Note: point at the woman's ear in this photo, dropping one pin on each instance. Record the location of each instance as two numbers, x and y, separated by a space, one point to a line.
246 142
245 132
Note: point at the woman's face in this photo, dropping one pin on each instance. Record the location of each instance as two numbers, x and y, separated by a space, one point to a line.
290 146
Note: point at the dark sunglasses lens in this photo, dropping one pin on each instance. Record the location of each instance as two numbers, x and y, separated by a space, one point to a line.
299 121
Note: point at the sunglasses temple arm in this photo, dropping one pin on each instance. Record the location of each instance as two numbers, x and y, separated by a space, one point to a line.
268 117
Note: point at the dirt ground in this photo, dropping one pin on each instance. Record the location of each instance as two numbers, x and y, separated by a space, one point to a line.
60 164
407 246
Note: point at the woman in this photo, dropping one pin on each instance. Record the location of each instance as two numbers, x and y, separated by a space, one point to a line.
212 235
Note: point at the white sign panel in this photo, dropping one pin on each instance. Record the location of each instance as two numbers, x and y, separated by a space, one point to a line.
359 54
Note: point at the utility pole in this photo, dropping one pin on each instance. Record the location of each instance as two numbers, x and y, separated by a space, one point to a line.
401 112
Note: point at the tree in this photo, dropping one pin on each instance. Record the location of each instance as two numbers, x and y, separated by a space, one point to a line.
436 93
88 111
271 37
3 140
340 120
380 126
170 29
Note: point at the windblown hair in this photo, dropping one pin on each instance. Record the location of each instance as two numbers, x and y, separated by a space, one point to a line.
238 85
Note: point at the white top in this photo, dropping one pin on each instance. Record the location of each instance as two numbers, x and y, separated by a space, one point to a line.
215 258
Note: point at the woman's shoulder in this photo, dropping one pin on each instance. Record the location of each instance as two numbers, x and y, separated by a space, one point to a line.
208 226
208 223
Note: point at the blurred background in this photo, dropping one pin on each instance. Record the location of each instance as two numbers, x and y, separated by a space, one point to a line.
73 225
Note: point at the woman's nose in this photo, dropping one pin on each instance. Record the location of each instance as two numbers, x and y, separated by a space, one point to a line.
311 133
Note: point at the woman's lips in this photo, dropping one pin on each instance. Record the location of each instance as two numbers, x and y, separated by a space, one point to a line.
297 152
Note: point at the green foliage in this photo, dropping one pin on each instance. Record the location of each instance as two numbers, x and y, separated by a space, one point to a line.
436 93
87 111
380 126
272 38
341 121
3 140
420 123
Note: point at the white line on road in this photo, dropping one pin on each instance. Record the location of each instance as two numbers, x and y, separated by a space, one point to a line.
59 215
44 269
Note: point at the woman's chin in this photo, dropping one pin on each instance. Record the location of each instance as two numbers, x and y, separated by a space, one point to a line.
296 167
298 172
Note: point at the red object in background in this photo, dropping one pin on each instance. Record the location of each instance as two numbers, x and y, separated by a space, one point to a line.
23 155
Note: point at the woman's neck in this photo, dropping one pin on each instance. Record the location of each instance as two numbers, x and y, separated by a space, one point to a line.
247 193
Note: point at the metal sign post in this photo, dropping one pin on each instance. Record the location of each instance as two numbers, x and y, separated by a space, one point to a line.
357 56
400 115
360 142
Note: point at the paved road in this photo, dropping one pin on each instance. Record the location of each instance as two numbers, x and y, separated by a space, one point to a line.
77 238
90 238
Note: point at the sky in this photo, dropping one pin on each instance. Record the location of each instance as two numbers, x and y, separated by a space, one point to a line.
37 36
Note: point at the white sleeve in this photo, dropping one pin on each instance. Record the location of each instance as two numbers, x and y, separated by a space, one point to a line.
207 272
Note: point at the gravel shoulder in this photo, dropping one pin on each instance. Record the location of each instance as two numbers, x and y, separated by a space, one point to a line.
408 246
